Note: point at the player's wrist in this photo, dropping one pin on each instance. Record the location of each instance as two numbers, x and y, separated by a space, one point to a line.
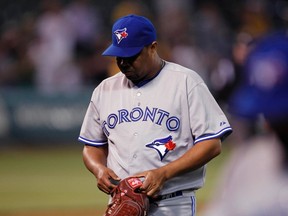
166 173
98 170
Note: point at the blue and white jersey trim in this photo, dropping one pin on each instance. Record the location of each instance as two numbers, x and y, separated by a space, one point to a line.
222 134
92 142
193 205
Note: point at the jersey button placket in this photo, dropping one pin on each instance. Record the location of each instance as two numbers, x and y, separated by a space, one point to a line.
134 156
138 95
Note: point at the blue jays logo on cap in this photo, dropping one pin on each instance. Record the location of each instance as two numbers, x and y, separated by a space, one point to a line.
141 33
121 34
162 146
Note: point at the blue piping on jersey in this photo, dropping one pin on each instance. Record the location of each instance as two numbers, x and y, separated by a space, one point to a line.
91 142
193 205
222 134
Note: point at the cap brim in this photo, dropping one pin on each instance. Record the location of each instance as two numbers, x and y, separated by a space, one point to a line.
121 52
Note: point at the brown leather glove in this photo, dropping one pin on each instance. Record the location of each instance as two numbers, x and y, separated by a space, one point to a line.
127 200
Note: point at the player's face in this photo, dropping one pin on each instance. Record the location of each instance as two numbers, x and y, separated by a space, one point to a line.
139 67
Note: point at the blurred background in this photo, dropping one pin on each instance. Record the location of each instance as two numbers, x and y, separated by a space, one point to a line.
50 62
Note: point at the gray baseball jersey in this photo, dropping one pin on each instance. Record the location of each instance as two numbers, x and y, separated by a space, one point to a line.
154 123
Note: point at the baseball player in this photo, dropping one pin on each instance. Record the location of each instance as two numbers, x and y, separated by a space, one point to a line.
154 119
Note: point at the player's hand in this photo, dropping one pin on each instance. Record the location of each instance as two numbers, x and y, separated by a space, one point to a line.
154 180
106 179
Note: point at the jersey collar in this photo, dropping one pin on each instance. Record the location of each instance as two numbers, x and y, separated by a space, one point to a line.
142 83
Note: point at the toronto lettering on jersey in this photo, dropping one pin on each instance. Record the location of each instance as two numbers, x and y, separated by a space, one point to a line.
154 115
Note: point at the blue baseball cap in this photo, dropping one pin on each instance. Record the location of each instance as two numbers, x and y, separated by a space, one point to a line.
130 34
264 89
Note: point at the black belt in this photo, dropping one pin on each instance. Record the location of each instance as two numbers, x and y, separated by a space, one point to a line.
167 196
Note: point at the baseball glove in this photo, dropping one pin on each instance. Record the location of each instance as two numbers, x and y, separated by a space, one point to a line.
127 200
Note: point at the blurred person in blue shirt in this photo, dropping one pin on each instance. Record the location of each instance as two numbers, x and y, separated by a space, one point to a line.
255 180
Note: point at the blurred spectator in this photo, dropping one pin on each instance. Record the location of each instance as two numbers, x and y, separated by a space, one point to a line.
173 20
228 72
52 51
86 22
256 18
125 7
197 34
190 56
255 180
213 36
242 44
16 69
176 33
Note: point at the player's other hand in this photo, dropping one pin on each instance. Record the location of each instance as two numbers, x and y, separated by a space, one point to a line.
154 180
106 179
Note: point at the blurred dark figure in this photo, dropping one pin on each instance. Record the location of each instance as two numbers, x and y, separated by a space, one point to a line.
52 50
255 182
213 37
85 20
16 69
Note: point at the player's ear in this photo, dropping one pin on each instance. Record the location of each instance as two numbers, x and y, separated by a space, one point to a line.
153 46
